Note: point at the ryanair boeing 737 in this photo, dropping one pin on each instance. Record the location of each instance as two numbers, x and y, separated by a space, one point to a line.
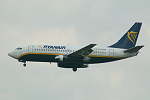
80 57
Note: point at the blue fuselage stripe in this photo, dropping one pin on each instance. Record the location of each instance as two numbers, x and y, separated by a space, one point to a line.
51 58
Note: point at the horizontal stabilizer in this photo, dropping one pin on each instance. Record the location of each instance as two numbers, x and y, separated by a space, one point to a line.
134 49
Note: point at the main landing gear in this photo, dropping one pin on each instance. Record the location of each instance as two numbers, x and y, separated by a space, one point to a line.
74 69
24 64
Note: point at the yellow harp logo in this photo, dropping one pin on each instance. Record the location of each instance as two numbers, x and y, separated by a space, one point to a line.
132 36
40 46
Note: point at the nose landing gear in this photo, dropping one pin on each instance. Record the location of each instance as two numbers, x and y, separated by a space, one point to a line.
24 64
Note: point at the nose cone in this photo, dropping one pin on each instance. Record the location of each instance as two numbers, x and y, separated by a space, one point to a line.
10 54
13 54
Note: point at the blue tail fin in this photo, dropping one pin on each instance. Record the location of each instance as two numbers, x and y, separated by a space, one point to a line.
130 37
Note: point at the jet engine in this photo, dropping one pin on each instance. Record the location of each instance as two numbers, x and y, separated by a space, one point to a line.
63 58
60 58
86 59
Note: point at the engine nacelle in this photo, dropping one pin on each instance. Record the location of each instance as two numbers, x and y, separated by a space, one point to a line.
64 58
60 58
86 59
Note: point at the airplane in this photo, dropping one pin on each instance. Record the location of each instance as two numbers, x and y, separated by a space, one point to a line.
80 57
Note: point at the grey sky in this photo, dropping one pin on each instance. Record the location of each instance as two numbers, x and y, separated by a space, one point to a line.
73 22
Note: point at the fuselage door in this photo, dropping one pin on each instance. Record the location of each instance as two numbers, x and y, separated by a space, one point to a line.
30 48
111 52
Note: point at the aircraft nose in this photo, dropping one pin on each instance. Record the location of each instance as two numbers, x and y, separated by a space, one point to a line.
10 54
13 54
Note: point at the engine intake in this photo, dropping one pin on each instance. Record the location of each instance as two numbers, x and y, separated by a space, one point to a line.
60 58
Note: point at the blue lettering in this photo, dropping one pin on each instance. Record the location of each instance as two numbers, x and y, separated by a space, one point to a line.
63 47
45 46
48 46
59 47
54 47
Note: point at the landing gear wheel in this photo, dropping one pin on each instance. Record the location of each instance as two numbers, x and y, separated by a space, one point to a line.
74 69
24 65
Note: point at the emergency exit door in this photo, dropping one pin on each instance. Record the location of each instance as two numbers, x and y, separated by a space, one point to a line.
111 52
30 48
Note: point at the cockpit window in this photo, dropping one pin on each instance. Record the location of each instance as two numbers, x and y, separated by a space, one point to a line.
18 48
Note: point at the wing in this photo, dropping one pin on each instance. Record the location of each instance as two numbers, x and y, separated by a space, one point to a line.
83 51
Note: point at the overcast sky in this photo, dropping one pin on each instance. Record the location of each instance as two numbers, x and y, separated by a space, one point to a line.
73 22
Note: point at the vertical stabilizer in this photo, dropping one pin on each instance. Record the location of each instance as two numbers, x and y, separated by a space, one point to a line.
130 37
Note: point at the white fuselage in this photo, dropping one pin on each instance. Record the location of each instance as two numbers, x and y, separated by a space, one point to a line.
22 53
79 57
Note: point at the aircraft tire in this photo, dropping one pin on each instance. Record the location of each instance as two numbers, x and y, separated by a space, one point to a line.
24 65
74 69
